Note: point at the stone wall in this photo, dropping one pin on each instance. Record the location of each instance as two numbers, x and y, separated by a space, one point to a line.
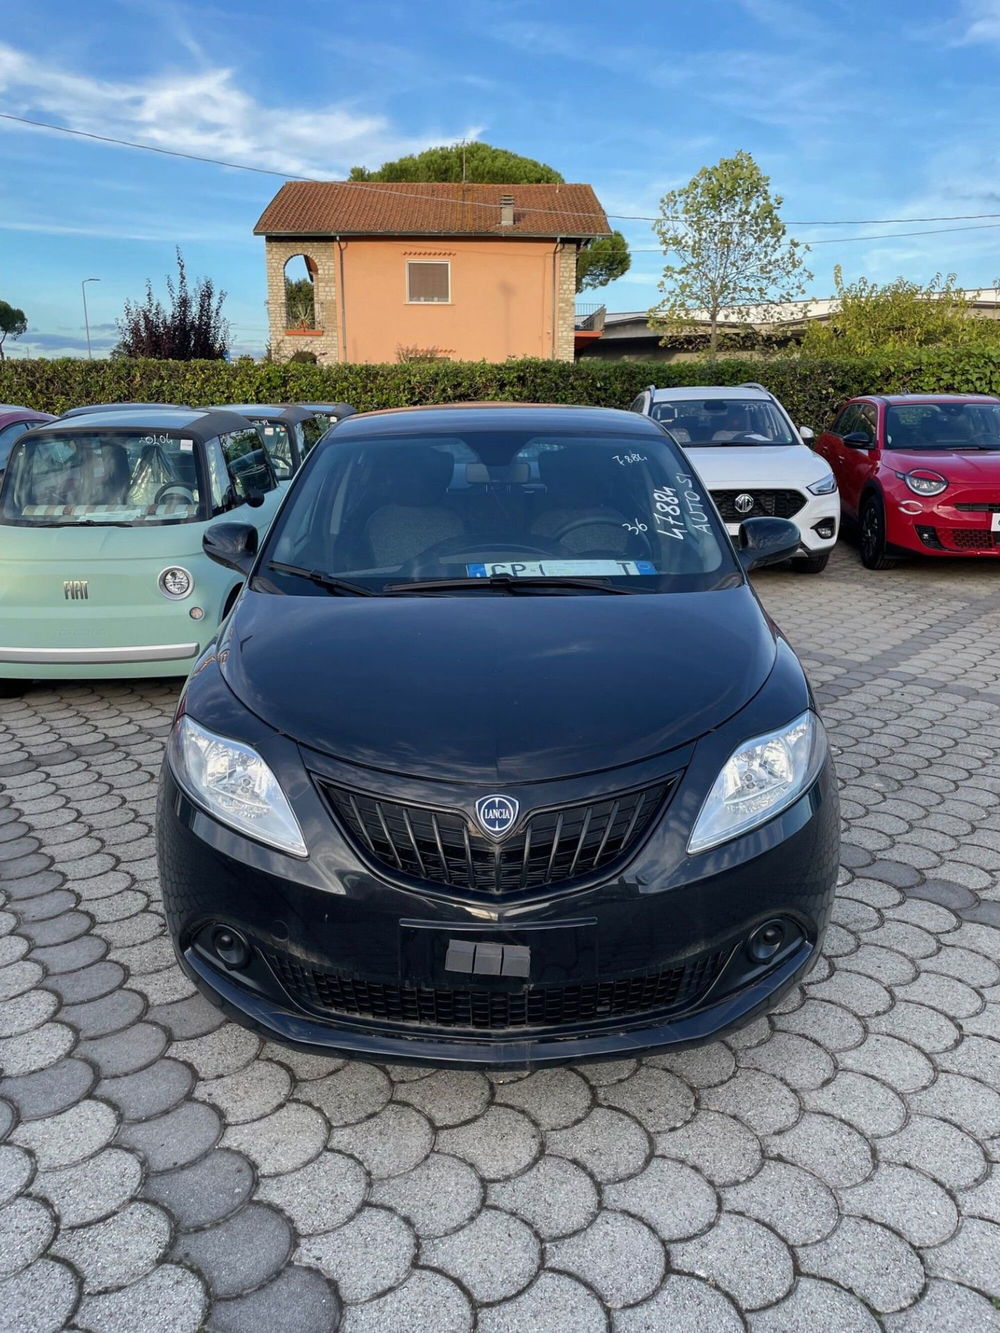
323 340
565 303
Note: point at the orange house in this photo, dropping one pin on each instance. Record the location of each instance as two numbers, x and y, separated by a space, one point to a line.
380 271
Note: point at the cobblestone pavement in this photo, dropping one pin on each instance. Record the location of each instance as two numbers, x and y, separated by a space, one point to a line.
829 1168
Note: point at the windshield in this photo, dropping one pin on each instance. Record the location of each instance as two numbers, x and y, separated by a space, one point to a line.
708 421
384 511
943 426
313 429
102 478
278 443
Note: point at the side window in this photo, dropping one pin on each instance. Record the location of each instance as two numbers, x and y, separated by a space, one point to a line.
250 469
846 420
221 492
313 430
868 420
278 443
638 404
7 437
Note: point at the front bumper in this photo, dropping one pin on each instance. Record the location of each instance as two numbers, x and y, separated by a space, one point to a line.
819 515
329 926
946 526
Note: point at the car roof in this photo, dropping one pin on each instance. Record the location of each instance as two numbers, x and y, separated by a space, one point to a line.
448 417
687 392
87 409
344 409
269 411
902 399
11 414
202 423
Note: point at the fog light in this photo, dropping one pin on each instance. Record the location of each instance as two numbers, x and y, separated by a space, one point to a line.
196 613
231 947
175 583
766 940
824 528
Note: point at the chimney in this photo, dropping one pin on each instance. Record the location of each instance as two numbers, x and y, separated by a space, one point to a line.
506 210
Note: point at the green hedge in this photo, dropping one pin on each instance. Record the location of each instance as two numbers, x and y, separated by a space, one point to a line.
810 389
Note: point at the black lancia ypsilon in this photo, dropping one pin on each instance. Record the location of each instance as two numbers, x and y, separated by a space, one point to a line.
497 760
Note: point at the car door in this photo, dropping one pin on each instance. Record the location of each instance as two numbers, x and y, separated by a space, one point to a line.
858 463
832 447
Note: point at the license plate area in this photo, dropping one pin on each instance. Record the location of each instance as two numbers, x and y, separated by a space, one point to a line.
491 956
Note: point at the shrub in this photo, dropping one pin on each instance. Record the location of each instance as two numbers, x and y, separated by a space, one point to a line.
810 388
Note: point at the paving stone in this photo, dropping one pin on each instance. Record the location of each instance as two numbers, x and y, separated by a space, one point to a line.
971 1257
928 1029
395 1140
243 1252
150 1091
966 1103
320 1196
892 1061
607 1143
187 1018
702 1067
607 1071
617 1256
171 1299
427 1302
111 1013
793 1058
554 1098
741 1257
984 1200
26 1228
70 1136
125 1052
812 1306
118 1251
297 1301
657 1099
283 1141
49 1090
948 994
723 1149
556 1197
906 1201
830 1149
16 1170
175 1139
438 1196
940 1149
18 977
38 1049
760 1100
250 1093
832 1026
447 1097
92 1189
946 1307
552 1304
976 1058
220 1052
25 1012
350 1094
367 1257
7 1119
791 1201
501 1143
670 1196
60 902
861 1101
90 983
38 1300
207 1191
868 1259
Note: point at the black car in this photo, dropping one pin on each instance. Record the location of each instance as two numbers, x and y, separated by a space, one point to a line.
497 759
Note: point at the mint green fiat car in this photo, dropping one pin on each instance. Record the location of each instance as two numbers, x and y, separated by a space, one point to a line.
102 516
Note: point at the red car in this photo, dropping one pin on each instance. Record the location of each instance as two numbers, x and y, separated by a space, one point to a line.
918 474
14 421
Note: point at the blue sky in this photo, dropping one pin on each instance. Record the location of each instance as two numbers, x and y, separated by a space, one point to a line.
854 110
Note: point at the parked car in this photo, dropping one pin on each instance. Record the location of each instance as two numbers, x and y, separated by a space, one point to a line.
508 775
918 473
327 415
86 409
753 460
14 421
289 431
102 516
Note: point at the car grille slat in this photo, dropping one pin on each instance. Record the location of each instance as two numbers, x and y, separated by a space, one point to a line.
444 847
766 503
479 1009
985 508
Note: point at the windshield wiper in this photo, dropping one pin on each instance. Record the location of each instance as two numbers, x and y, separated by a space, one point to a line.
333 584
507 582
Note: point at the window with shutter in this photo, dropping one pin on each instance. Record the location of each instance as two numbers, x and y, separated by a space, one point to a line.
428 281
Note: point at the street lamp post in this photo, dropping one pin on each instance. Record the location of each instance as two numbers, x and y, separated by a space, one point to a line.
86 321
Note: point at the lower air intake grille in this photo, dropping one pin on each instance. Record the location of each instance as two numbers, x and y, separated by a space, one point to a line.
445 847
766 504
479 1009
971 539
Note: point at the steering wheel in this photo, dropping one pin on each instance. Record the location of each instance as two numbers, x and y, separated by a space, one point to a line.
426 560
176 490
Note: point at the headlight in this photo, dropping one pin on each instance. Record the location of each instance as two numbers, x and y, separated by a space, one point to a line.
825 486
759 780
234 784
921 481
175 582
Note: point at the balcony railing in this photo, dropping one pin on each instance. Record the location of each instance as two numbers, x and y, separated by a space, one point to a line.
589 318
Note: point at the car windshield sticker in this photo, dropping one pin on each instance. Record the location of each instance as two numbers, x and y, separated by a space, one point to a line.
679 510
636 526
187 446
537 569
625 459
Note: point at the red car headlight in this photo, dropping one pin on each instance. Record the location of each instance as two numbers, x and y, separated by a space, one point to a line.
922 481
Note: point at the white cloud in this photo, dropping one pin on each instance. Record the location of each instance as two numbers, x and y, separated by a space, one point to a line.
208 113
980 21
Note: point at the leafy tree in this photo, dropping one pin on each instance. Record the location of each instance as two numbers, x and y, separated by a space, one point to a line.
475 162
192 329
869 319
300 304
13 324
599 262
724 227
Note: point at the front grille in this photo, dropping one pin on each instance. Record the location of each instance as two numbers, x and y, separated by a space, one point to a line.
445 847
772 504
480 1009
985 508
971 539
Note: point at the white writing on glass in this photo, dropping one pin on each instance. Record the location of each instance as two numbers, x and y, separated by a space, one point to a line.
623 460
157 439
635 526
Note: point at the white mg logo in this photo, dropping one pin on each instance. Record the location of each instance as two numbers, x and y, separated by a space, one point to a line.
76 590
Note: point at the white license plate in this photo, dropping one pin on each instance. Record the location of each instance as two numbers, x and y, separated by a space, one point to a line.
995 522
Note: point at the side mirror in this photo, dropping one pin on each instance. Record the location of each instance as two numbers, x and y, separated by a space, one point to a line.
767 541
231 544
858 439
807 434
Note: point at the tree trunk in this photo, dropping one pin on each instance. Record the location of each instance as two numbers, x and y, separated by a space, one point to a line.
713 335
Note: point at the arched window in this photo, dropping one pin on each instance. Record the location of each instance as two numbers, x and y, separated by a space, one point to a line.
301 307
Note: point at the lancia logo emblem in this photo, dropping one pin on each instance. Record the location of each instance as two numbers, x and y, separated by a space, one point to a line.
743 503
496 815
76 590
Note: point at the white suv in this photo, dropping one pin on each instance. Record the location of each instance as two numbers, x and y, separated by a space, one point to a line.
753 460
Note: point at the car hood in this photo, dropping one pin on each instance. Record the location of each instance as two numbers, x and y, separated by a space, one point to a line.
975 466
497 688
731 466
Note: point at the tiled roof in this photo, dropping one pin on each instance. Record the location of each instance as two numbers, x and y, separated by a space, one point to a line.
367 208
